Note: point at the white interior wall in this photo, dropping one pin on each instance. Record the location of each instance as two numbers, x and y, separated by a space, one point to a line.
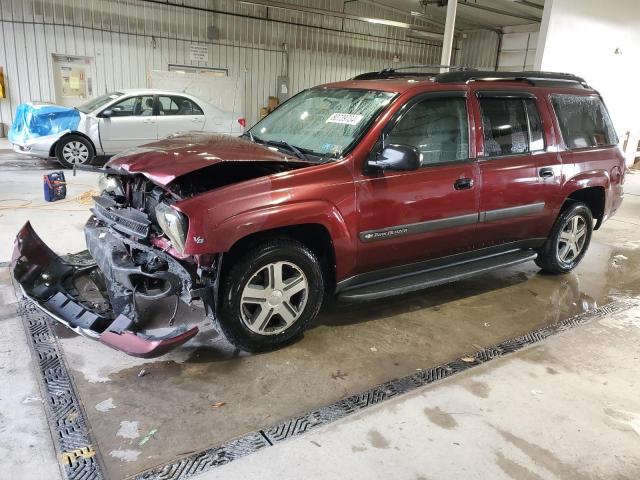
600 41
129 38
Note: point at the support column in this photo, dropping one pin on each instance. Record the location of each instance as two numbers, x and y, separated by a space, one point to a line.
449 29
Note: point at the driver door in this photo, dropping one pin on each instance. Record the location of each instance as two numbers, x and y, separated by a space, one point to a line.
132 123
410 216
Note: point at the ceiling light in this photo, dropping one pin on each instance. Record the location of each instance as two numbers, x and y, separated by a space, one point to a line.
391 23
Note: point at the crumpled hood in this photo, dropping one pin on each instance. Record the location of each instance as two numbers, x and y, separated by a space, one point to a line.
165 160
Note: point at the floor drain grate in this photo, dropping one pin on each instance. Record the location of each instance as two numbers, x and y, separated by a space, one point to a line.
80 459
67 421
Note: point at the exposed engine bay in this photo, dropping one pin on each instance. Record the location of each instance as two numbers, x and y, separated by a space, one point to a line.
131 240
222 174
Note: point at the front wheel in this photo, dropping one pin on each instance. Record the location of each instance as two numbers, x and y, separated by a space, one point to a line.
270 295
569 240
74 150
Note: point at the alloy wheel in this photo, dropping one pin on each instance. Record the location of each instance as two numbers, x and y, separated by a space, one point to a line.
572 239
274 298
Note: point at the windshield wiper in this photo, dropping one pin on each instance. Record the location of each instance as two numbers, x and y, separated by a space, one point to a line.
249 135
301 153
296 151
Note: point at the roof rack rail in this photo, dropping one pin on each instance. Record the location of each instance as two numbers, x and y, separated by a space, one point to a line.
424 65
533 77
394 72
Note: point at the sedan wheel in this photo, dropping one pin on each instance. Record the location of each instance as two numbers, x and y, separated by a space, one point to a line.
274 298
75 153
74 150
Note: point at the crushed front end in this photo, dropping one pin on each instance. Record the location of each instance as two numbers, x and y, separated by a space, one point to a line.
134 241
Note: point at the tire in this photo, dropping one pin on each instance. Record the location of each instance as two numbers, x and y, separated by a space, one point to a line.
263 319
74 149
559 256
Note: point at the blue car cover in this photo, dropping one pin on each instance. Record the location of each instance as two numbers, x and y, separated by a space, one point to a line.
34 120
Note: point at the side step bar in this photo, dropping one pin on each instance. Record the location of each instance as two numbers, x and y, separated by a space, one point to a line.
435 276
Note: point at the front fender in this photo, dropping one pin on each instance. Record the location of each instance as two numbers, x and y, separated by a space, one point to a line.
320 212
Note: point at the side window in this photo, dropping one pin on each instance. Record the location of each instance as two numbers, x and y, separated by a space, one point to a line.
505 126
584 121
511 126
176 105
141 106
437 127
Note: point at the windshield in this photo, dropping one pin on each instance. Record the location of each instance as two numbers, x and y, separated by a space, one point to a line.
96 103
323 122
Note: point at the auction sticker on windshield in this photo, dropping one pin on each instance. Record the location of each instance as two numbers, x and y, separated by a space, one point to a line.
345 118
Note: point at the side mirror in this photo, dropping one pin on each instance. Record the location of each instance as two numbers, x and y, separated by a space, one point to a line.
397 157
108 113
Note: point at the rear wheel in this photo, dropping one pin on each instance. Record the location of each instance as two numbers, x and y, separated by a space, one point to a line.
74 150
270 295
568 241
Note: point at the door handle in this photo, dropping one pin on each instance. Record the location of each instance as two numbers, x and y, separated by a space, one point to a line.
463 183
546 172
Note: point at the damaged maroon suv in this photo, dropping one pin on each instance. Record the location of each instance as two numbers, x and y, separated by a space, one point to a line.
363 189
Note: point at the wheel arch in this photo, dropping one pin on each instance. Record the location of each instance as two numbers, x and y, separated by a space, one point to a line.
52 150
314 236
593 197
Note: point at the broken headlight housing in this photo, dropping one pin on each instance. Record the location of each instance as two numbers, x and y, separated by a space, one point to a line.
173 224
110 183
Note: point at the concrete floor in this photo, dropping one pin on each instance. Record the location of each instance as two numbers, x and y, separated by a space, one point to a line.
22 199
350 349
565 408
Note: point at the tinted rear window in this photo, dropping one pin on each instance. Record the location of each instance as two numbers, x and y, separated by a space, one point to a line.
584 121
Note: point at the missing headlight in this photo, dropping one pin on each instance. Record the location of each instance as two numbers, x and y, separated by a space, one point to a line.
110 183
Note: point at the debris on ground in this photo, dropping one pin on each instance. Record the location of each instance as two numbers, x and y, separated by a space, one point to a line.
617 260
373 349
338 375
105 405
148 436
142 373
468 359
218 404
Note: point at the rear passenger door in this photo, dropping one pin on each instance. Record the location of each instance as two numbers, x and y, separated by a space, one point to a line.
520 171
178 114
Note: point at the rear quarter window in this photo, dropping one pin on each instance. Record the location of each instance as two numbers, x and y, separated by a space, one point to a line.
584 121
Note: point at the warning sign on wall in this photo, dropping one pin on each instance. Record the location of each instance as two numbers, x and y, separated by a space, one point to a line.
198 52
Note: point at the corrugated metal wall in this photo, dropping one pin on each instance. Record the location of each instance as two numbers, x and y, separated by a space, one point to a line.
129 38
479 49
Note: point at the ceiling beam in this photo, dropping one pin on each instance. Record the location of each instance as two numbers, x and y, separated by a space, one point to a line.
530 4
333 13
500 11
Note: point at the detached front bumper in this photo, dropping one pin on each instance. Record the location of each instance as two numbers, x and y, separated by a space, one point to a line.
50 281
